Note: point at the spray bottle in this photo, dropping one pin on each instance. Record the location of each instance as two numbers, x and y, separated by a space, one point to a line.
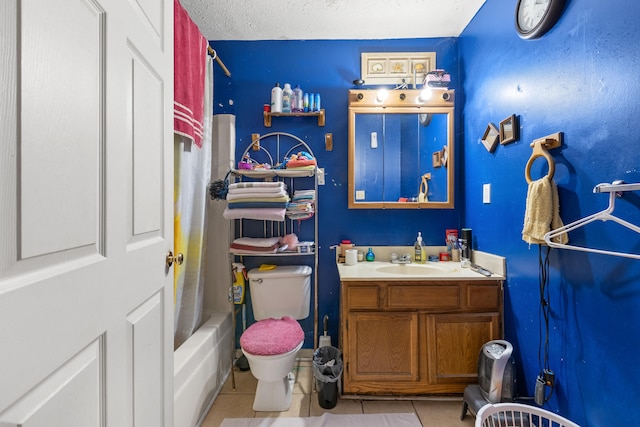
239 277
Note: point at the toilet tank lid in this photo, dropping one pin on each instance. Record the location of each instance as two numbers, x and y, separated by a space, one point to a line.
280 271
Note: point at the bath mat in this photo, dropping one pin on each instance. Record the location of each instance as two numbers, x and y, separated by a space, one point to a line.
329 420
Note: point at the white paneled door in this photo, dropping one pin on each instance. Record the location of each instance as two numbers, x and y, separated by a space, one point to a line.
86 213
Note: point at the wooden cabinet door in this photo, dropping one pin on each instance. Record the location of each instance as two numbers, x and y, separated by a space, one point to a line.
453 344
382 347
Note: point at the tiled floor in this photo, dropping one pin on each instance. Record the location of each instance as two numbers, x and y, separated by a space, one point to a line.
435 412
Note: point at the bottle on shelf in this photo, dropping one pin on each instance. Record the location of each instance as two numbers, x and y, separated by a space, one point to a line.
305 101
287 94
276 99
312 98
297 103
316 102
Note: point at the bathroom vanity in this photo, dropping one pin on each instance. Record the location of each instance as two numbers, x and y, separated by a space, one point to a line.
415 329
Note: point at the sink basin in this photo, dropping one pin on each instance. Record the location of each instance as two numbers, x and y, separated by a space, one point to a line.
415 269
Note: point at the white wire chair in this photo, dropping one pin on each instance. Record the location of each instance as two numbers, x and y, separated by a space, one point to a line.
519 415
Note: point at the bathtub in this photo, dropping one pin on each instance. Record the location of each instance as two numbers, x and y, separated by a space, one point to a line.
200 367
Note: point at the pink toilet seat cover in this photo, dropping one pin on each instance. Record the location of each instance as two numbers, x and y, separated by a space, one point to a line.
270 337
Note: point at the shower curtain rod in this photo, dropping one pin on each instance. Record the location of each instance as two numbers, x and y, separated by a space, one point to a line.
213 53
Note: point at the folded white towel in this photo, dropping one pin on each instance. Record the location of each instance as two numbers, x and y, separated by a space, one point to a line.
255 195
259 242
542 212
257 184
266 214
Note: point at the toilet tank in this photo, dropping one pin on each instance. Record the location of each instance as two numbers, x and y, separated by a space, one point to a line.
282 291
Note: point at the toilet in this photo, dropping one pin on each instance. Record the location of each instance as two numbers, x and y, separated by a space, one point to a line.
279 297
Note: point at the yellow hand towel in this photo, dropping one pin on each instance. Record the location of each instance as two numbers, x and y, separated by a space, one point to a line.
542 212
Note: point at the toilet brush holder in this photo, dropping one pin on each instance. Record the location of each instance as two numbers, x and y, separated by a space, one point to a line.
325 340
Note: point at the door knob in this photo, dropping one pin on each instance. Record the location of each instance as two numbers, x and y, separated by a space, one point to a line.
178 259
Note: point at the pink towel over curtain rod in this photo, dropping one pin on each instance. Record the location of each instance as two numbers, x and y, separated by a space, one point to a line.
190 54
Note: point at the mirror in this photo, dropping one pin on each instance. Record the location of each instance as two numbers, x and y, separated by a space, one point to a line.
401 151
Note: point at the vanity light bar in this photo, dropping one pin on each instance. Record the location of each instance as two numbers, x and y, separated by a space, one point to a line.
401 98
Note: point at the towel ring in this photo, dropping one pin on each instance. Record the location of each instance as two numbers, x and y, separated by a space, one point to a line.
424 188
539 151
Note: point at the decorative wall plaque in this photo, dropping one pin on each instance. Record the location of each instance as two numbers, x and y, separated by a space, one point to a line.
396 68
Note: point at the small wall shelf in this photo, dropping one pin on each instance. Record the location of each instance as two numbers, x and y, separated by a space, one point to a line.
269 114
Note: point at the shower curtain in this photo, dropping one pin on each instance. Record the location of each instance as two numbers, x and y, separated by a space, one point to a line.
192 174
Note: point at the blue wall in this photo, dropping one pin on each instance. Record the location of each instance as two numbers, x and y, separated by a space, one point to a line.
328 68
581 79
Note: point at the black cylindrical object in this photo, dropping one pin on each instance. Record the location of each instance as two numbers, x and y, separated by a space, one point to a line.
327 394
327 369
467 236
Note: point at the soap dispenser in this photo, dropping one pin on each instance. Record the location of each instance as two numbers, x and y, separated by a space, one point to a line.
419 252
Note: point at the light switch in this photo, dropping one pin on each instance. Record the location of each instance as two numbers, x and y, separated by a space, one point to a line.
360 195
374 139
320 176
486 193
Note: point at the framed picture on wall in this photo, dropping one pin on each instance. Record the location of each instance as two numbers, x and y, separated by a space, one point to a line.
509 130
436 159
491 137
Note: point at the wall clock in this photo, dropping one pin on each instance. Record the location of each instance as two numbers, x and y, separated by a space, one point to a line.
425 118
536 17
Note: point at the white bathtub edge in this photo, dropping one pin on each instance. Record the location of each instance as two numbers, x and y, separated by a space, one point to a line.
201 366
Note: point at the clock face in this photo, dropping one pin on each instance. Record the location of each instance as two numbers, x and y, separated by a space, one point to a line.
536 17
425 119
531 12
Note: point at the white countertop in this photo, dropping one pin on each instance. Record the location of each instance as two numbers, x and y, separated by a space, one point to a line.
441 270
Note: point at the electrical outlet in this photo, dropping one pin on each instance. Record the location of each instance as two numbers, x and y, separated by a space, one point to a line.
320 176
549 377
486 193
360 195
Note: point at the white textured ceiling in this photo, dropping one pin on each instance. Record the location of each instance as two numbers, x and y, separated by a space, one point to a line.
330 19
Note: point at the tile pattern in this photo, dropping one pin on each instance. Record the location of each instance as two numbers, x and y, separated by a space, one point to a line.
238 403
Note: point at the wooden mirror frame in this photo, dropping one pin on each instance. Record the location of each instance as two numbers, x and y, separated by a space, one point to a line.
509 130
407 101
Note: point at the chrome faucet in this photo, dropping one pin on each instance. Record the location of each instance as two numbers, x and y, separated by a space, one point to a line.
400 259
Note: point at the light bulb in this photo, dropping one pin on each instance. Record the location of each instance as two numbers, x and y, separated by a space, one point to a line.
382 95
425 94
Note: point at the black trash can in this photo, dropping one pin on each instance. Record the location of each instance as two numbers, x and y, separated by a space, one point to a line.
327 368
